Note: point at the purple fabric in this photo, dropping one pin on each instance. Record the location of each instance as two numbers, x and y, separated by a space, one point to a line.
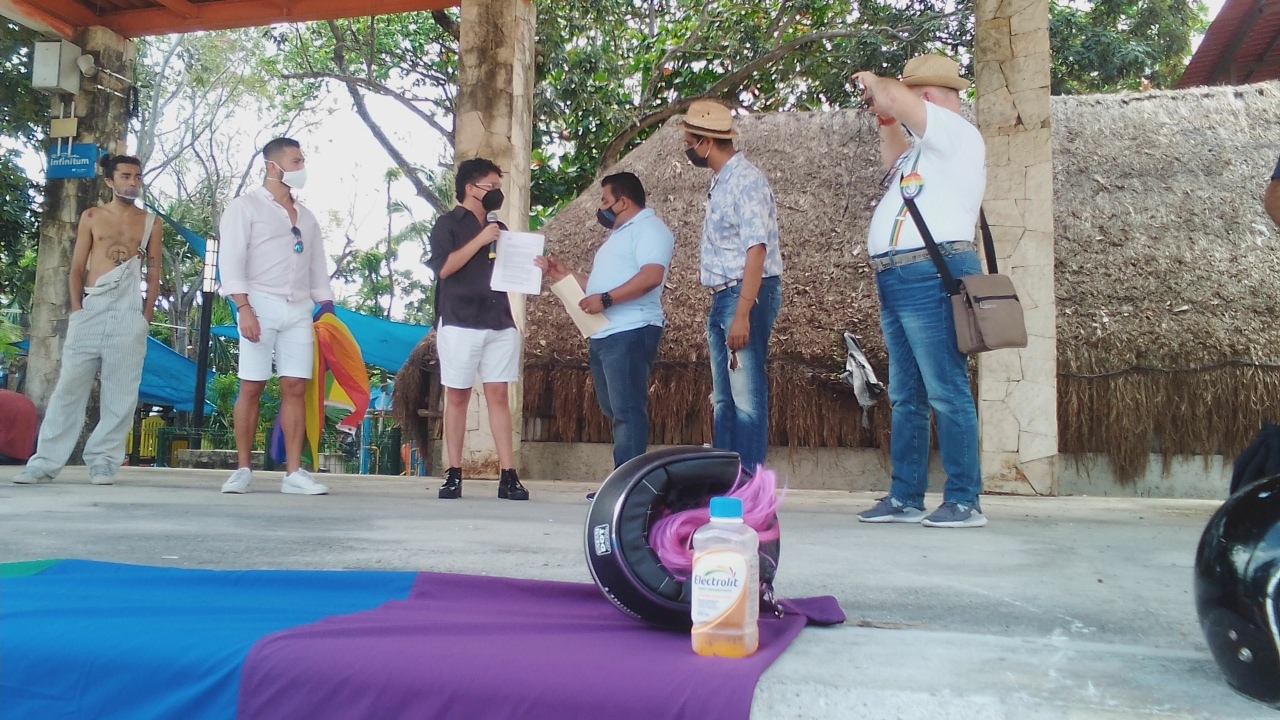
822 611
474 648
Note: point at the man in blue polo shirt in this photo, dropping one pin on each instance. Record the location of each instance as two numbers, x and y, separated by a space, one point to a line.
626 285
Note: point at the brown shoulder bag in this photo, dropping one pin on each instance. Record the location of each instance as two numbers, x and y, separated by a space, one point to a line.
988 314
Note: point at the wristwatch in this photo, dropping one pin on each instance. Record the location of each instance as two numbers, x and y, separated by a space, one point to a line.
606 300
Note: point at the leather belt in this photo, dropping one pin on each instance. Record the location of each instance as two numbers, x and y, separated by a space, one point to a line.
724 286
880 263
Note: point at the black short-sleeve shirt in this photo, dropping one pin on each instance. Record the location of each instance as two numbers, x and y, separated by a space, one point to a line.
464 299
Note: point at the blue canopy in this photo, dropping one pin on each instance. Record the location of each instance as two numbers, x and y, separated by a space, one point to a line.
168 378
384 343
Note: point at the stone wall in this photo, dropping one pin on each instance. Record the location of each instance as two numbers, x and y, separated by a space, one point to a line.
1017 403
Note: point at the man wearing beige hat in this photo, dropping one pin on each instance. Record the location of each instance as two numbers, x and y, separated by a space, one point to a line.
944 171
742 265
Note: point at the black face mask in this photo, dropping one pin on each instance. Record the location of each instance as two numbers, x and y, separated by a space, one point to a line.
607 218
492 200
696 159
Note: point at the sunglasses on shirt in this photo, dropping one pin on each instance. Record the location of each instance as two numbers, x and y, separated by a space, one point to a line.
298 247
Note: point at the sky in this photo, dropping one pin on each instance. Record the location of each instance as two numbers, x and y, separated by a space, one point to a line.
347 166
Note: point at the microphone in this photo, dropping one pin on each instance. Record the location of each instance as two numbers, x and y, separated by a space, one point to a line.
493 246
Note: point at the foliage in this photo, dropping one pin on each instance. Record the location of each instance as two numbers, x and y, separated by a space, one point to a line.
23 115
1122 44
609 72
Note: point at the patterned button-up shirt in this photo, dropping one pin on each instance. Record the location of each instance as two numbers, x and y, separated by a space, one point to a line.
741 213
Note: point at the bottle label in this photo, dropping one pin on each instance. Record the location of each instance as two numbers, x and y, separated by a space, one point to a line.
720 581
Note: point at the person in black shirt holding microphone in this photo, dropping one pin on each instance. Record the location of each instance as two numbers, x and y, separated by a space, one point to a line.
476 334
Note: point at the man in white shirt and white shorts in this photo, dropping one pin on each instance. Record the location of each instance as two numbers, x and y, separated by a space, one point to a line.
272 264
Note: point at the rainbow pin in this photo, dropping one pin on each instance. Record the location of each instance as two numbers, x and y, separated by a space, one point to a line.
912 186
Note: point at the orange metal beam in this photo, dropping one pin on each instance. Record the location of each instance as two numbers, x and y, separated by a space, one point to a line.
26 13
181 7
66 17
228 14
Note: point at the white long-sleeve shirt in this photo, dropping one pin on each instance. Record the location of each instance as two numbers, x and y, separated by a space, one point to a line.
256 250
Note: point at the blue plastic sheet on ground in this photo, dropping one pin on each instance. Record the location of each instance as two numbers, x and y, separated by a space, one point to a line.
121 642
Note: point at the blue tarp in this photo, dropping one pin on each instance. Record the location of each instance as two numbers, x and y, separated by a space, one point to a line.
168 379
384 344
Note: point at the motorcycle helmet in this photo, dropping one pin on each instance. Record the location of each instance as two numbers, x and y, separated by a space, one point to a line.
631 500
1237 570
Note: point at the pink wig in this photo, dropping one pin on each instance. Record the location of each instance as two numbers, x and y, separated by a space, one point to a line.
671 537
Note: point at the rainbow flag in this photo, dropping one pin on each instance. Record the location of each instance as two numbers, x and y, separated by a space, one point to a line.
339 365
339 380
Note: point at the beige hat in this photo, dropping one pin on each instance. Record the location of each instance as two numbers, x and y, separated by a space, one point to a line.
938 70
709 118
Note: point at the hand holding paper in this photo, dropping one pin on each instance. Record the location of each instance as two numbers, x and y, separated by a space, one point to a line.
514 270
571 294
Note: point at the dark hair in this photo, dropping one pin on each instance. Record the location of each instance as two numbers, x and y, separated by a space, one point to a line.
109 163
272 150
723 143
470 171
625 185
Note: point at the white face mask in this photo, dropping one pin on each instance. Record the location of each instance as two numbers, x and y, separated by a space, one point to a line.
296 179
128 193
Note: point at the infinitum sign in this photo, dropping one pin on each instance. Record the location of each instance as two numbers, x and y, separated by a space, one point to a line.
80 162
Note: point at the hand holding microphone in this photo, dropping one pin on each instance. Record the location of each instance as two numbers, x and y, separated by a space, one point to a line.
492 217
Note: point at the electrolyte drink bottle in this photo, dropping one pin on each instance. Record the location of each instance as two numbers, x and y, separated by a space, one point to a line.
726 583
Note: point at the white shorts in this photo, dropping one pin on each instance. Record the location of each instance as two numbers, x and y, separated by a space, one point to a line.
466 352
286 333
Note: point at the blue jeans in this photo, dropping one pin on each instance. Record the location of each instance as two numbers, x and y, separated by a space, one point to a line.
620 365
927 370
740 398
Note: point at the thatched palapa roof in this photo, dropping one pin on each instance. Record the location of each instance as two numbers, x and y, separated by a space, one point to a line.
1165 258
1164 255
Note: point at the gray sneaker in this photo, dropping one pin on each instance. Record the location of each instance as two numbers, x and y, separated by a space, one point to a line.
31 477
889 510
955 515
101 476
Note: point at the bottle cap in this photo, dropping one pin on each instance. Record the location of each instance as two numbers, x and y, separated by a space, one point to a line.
726 508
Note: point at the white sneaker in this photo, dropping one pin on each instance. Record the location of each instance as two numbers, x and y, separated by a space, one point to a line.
30 477
301 483
101 477
239 481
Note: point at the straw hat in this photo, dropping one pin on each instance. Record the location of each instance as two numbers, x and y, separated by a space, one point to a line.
938 70
709 118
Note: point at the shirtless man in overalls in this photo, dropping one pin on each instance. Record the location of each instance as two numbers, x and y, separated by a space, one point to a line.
107 329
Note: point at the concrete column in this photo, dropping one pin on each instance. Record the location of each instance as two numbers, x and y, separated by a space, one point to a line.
1017 404
103 119
495 121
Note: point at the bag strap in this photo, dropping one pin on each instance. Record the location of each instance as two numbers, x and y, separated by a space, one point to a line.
948 280
988 243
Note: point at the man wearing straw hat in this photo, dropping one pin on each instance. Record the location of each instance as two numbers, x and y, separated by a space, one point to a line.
1272 199
945 171
742 266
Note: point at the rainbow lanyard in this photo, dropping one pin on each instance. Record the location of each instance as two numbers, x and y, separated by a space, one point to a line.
911 185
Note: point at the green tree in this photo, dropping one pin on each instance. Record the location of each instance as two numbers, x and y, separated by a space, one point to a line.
23 116
610 72
1115 45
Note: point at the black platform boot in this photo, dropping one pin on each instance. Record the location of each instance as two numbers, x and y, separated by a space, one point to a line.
509 487
452 488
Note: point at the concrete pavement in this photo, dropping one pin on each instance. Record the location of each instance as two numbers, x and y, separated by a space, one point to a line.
1061 608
